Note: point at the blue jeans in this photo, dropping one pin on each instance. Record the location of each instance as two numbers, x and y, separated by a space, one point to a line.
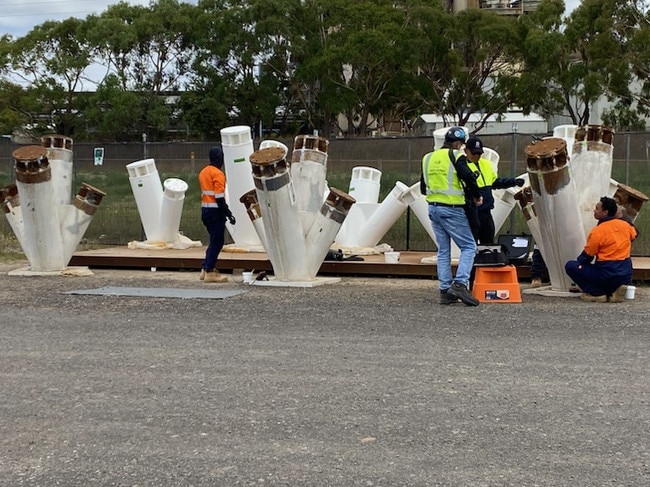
451 224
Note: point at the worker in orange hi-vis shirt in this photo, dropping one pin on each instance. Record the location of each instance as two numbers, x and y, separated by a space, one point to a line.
214 211
604 268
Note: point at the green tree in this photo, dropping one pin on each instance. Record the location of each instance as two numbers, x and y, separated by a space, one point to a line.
569 64
593 48
311 28
114 113
482 81
148 52
629 73
14 112
53 59
226 52
468 64
351 62
545 56
147 48
435 60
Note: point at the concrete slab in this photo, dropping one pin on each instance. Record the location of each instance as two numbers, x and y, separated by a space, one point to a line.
158 292
319 281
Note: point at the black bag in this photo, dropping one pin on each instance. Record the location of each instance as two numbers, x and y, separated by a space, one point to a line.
519 246
334 255
339 256
491 256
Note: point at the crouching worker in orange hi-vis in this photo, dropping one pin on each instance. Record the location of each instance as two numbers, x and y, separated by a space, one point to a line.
604 268
214 211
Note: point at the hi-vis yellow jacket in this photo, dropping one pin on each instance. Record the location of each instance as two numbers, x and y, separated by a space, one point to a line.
442 182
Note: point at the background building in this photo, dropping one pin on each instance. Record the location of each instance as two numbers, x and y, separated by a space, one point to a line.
502 7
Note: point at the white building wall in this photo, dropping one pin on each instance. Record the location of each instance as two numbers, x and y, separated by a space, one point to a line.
532 123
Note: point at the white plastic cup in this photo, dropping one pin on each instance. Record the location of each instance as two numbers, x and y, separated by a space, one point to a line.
629 292
391 257
247 277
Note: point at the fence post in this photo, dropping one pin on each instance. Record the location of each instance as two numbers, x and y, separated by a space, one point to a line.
409 152
144 146
513 170
10 167
627 158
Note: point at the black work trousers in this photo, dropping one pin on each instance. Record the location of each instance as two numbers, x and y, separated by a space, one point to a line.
215 222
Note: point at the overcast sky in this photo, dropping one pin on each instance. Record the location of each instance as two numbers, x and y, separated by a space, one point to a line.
18 17
571 5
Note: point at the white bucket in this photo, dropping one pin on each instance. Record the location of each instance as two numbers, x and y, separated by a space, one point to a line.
247 277
629 292
391 257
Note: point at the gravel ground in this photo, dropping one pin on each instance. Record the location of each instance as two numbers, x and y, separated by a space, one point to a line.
368 382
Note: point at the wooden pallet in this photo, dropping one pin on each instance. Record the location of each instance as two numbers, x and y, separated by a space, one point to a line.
409 265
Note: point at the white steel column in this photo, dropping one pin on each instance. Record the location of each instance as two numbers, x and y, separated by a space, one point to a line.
591 168
148 192
308 171
42 232
77 218
284 236
237 147
562 236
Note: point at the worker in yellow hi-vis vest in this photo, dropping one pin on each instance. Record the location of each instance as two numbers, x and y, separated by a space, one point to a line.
445 181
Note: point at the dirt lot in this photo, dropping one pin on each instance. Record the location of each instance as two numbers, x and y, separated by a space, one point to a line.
368 382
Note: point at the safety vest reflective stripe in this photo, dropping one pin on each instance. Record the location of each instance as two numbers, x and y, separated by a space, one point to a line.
213 186
452 193
425 171
212 193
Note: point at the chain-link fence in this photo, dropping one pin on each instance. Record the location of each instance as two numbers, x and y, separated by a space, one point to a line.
117 220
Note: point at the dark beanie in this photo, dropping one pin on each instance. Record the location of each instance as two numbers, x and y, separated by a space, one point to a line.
216 157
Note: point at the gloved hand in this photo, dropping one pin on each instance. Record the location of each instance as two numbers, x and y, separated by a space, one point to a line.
520 182
227 212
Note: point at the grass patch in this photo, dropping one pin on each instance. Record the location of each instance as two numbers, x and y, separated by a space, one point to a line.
10 249
117 220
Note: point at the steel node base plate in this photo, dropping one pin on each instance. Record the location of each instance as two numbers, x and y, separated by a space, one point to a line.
548 291
68 271
318 281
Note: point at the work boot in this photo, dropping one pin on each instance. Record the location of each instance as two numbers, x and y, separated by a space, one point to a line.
618 296
445 298
536 282
202 275
573 288
590 298
214 276
459 291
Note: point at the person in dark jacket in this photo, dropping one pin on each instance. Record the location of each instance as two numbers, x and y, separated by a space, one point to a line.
538 271
214 212
480 216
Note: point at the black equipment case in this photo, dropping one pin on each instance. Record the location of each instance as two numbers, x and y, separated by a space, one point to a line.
518 247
